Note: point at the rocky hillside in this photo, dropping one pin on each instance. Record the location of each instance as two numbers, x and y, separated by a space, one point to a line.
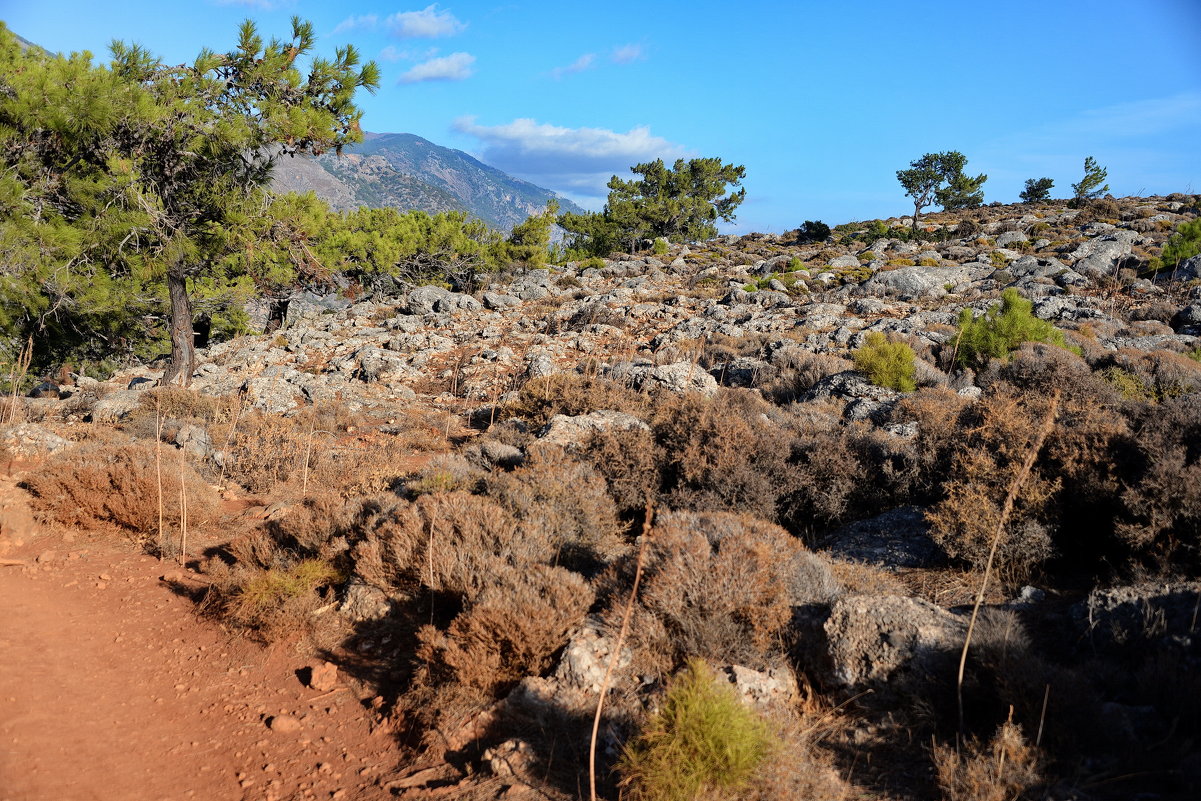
464 486
407 172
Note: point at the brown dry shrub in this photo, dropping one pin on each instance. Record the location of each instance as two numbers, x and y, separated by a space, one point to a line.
572 394
723 453
564 502
1163 374
630 462
511 630
263 451
117 483
1000 431
447 542
1162 497
717 585
799 371
830 481
1005 769
187 404
936 412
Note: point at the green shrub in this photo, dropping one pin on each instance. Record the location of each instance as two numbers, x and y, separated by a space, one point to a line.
901 263
593 263
867 255
999 331
702 739
660 247
1183 245
813 231
795 264
886 364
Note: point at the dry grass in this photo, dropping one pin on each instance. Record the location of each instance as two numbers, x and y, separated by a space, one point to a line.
1003 769
275 603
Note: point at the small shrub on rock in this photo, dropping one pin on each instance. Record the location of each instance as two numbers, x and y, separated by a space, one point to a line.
886 364
999 331
703 740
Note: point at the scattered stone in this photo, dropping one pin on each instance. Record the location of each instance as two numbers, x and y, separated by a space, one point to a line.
284 724
323 676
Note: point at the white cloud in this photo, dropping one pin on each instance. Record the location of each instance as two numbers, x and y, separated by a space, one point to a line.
364 22
575 161
393 53
428 23
628 53
586 61
454 67
265 5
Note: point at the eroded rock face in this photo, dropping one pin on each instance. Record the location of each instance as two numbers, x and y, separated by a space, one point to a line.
874 639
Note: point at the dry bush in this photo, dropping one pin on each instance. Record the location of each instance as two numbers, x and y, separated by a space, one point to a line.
445 473
449 542
1162 496
830 481
187 404
309 527
720 586
511 630
595 313
263 451
1160 375
1000 431
573 394
936 412
723 453
564 502
117 483
630 462
799 372
1005 769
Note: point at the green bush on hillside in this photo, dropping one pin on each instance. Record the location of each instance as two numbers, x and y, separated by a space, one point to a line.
702 739
999 331
1183 245
886 364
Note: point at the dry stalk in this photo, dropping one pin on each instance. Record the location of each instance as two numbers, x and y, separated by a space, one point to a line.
158 470
1006 509
229 438
616 655
16 375
183 511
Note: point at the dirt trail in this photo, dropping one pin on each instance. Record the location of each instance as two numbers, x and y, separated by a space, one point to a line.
111 687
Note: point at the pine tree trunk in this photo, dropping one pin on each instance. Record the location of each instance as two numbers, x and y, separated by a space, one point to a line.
183 338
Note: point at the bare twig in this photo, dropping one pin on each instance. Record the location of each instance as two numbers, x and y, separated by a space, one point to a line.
1006 509
616 655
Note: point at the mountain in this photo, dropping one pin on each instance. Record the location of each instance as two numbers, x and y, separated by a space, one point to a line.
407 172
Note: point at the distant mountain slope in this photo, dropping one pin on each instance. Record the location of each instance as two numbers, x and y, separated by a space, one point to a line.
407 172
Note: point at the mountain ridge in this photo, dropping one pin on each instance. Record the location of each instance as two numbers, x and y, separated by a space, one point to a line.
406 171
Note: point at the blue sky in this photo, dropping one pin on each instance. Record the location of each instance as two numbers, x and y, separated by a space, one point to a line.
822 102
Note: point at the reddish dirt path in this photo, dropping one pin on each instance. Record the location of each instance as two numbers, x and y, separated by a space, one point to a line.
111 688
